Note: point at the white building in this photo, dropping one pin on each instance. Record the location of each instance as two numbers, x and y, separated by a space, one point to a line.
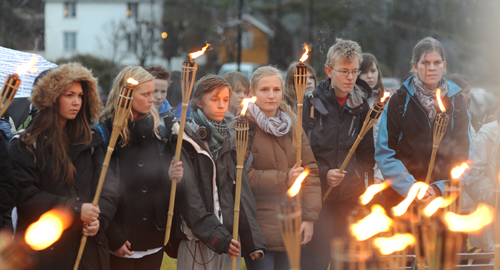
104 28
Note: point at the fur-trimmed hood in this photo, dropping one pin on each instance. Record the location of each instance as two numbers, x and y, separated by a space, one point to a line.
57 80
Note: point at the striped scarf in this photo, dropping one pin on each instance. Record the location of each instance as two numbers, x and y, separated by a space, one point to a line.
277 126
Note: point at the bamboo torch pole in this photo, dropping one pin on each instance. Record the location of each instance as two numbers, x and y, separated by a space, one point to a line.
372 117
440 124
188 75
241 127
300 79
122 112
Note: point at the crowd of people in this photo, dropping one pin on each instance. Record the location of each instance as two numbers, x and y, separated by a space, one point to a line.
55 162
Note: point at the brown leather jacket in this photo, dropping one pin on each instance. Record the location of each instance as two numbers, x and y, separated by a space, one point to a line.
273 158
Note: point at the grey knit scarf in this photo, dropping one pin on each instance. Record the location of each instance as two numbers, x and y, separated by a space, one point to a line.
427 97
277 126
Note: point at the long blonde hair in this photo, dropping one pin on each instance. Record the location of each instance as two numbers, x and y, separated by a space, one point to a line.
141 75
272 71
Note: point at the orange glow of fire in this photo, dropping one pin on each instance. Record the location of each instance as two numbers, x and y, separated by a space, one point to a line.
386 95
246 102
417 190
483 216
305 56
440 102
47 230
374 223
372 190
295 188
459 170
398 242
437 203
132 81
22 69
199 53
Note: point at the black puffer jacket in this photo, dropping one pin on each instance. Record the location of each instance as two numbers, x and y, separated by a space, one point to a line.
197 200
332 133
144 189
8 184
39 193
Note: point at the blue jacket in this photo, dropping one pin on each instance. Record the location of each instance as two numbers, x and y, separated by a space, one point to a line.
404 143
164 108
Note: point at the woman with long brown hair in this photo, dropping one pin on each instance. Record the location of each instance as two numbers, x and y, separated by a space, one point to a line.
141 162
57 161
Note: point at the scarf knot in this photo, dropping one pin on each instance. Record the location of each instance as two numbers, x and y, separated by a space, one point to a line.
277 126
427 97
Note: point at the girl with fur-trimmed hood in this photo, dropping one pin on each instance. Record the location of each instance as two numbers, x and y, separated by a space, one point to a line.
57 163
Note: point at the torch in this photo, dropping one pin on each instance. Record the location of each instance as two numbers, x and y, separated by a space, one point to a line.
454 188
300 79
372 117
12 83
440 124
241 127
497 224
290 219
188 75
122 112
394 244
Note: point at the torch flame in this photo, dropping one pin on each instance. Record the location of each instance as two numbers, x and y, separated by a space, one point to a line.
437 203
372 224
470 223
199 53
296 185
417 190
386 95
440 102
47 230
21 70
246 102
459 170
305 56
132 81
372 190
398 242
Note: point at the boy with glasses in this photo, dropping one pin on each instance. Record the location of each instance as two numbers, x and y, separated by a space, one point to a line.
333 117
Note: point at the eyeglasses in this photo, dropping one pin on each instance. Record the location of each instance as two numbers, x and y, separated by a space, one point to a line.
346 73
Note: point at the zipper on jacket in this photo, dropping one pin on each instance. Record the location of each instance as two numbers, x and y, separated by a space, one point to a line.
352 124
418 105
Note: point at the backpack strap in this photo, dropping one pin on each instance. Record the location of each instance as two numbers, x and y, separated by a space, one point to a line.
402 101
105 134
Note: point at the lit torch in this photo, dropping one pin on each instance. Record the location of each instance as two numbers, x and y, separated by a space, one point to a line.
241 127
372 117
454 187
370 192
290 219
12 83
300 79
48 229
440 124
188 75
395 243
374 223
122 114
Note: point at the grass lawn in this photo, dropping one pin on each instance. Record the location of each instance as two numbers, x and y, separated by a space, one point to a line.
171 264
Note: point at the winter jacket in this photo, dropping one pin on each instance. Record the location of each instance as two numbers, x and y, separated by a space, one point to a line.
8 184
273 158
333 131
144 188
206 196
405 138
482 179
39 193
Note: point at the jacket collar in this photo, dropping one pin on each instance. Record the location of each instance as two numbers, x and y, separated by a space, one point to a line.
326 91
453 88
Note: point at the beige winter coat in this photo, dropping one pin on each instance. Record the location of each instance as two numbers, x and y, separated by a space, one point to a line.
273 158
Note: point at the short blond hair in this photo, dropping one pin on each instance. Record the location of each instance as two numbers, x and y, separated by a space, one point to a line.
345 50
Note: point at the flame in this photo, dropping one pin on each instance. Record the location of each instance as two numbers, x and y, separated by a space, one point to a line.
437 203
305 56
22 69
459 170
372 224
47 230
440 102
417 190
199 53
398 242
470 223
372 190
386 95
296 185
132 81
246 102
